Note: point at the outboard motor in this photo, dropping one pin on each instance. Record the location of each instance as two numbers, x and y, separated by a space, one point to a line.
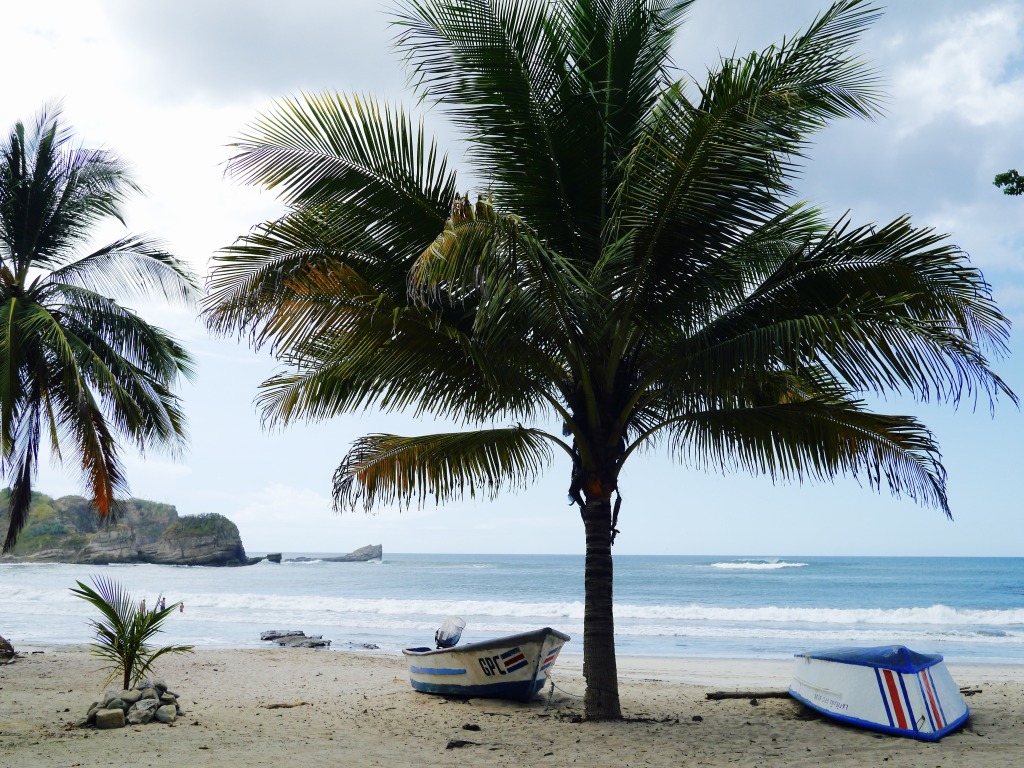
450 632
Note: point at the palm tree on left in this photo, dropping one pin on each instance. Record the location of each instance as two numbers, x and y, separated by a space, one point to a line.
78 369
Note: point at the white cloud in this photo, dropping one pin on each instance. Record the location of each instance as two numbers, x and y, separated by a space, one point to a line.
167 85
965 74
149 471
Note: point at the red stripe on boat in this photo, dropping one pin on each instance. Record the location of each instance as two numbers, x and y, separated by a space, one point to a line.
932 703
514 660
894 695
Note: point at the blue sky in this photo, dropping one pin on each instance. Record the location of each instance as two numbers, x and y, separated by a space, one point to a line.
168 85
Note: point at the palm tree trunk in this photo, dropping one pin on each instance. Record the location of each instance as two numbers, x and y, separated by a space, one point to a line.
601 701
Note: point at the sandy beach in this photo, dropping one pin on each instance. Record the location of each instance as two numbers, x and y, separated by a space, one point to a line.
305 707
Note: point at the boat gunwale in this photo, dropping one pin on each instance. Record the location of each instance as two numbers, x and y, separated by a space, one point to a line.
891 730
497 642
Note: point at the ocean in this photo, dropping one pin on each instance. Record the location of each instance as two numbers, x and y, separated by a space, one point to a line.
968 609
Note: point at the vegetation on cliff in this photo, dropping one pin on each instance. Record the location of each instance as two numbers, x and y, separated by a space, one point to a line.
68 530
209 524
68 522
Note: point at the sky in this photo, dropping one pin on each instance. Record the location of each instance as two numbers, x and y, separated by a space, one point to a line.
169 84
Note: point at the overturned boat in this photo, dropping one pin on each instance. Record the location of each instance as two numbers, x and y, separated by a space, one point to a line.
891 689
510 667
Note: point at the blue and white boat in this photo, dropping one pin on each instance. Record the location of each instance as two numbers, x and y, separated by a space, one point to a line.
510 667
891 689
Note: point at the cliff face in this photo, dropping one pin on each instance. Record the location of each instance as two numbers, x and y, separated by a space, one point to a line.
68 530
206 540
113 544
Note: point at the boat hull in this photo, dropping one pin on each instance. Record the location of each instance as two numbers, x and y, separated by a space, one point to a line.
889 689
512 667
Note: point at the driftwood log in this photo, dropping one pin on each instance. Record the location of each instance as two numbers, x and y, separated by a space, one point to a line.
716 695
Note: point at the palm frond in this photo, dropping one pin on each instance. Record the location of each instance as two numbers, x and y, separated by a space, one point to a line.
132 267
502 70
53 194
887 309
817 440
519 291
711 171
384 469
22 461
368 191
367 158
398 360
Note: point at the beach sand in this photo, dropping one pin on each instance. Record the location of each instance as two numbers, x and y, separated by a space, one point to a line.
358 709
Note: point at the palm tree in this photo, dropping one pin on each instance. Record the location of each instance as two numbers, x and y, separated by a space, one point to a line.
124 631
77 369
637 270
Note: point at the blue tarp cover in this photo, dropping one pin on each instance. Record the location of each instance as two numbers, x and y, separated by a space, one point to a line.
898 658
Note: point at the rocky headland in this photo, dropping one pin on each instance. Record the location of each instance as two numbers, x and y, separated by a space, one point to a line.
68 530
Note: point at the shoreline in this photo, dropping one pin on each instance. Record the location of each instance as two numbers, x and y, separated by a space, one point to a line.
359 706
679 607
628 664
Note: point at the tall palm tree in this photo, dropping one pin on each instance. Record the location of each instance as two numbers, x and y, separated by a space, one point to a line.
77 369
637 270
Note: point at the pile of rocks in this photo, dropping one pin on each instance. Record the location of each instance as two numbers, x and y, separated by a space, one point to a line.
6 650
294 638
148 701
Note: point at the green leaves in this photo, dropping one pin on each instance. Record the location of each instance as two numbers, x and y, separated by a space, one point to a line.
367 190
381 469
53 194
815 439
125 630
1011 182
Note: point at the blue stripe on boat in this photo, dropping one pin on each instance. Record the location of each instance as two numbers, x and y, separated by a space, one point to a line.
522 691
935 693
910 708
437 671
885 699
514 667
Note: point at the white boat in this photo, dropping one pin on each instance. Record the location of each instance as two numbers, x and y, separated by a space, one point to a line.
511 667
890 689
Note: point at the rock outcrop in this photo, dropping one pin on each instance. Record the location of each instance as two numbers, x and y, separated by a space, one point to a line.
361 555
113 544
67 530
294 638
203 540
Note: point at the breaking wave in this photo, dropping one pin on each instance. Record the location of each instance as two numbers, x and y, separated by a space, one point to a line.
756 565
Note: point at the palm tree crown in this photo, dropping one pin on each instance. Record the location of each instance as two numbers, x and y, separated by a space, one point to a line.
77 369
637 267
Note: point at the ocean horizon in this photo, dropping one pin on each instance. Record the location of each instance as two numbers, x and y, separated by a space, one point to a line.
969 609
